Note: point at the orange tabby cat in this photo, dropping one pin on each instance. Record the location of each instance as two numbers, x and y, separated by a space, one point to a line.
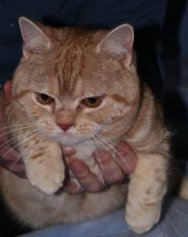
80 88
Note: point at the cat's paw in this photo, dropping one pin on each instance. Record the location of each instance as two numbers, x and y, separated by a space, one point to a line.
142 218
47 178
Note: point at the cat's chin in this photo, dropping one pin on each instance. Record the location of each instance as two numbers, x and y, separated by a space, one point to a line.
71 143
69 140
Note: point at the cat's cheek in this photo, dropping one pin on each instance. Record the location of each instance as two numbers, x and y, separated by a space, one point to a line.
48 127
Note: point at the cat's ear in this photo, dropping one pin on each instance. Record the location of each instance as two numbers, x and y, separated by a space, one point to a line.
119 43
35 40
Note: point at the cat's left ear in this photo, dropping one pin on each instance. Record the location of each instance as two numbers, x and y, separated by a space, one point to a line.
119 44
35 39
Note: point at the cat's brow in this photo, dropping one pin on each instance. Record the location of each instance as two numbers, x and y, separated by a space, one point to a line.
119 99
21 94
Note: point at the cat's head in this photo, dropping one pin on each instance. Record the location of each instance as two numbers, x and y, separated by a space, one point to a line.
77 84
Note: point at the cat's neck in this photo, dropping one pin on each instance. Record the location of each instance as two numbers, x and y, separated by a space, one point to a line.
84 152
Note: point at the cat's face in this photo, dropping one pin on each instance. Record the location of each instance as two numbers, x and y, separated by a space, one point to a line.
75 91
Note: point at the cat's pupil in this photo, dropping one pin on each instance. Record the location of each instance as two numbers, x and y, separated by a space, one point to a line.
92 100
44 97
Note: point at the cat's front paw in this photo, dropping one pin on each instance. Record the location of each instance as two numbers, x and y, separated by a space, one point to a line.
47 178
142 218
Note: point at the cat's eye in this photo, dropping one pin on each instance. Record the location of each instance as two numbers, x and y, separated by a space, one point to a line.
44 99
92 102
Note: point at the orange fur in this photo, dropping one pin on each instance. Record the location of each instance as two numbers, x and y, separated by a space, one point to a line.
69 65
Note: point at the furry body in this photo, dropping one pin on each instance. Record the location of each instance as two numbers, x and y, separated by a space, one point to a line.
70 65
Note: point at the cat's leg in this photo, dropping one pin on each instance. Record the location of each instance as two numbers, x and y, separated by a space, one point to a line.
147 188
45 168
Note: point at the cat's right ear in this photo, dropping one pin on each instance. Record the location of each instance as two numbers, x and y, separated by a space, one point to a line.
35 40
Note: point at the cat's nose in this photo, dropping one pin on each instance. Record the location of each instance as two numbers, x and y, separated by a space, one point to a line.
65 126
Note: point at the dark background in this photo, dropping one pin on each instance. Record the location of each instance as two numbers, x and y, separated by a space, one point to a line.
161 29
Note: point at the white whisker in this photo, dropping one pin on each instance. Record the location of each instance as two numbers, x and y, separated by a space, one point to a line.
19 124
116 152
28 138
22 153
17 129
10 141
14 163
98 159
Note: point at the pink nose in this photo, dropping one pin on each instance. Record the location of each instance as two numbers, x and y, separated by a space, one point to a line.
65 126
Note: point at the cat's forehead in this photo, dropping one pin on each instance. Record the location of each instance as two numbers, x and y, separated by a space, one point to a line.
74 68
71 78
77 72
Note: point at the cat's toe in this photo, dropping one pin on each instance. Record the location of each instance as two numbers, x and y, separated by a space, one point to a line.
52 186
49 185
143 219
48 179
